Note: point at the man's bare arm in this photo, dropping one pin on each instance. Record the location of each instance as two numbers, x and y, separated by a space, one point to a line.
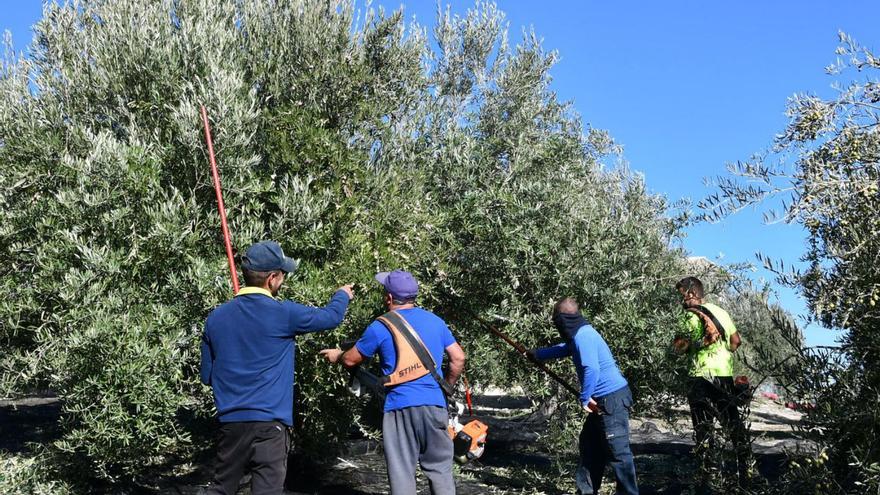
349 358
735 342
456 363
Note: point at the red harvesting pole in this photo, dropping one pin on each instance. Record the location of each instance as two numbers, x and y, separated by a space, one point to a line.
220 201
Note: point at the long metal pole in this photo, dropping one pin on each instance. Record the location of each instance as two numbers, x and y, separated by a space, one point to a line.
220 205
522 350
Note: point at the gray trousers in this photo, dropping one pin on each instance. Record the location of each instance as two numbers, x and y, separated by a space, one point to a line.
418 435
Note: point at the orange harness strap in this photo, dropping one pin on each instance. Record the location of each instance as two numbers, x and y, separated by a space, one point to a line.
414 360
409 367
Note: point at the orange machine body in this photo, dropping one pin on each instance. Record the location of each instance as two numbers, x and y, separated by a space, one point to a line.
469 442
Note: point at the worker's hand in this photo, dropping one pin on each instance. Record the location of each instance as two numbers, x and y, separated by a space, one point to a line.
680 345
591 407
530 355
711 335
348 289
331 355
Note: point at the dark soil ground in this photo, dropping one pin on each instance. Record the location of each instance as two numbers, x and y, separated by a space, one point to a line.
514 461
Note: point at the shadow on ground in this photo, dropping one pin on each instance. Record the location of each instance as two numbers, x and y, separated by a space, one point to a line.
30 420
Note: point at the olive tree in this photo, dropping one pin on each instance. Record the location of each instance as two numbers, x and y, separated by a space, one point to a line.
825 168
111 249
360 144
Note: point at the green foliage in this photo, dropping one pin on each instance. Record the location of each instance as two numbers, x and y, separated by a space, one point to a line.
534 214
345 137
829 177
20 474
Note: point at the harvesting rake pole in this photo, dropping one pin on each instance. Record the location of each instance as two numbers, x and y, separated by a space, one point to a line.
220 206
522 350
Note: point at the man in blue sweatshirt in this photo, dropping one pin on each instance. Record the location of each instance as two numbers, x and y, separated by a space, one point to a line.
605 397
248 360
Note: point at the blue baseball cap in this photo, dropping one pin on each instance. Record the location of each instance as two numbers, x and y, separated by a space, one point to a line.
266 256
400 284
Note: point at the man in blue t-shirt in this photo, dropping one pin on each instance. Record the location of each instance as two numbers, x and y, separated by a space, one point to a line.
248 360
414 426
605 397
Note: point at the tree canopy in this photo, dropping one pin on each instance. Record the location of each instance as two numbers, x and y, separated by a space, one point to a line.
357 141
824 170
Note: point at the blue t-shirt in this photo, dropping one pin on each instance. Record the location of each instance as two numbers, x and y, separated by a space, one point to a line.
424 391
597 371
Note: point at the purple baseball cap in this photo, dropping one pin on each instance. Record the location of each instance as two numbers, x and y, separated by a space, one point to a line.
400 284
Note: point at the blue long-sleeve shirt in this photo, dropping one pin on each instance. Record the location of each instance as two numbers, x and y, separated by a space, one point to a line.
598 373
248 352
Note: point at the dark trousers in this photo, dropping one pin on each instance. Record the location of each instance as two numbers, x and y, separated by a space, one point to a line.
259 448
716 399
605 440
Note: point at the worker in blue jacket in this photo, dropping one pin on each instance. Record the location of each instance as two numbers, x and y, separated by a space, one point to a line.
248 360
605 398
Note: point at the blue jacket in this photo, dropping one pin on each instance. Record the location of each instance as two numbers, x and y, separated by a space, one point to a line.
248 352
598 373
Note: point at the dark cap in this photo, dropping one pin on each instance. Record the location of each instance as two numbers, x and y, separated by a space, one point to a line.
266 256
400 284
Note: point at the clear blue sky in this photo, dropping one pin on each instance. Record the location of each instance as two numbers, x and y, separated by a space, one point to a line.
685 86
